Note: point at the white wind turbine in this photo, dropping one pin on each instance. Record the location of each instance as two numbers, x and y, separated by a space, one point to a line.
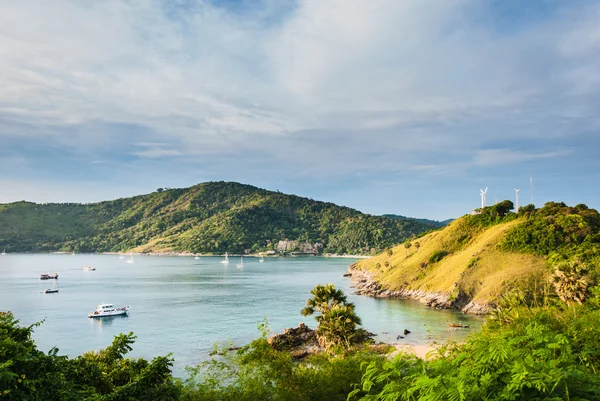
483 196
517 204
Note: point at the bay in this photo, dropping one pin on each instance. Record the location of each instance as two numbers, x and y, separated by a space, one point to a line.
182 306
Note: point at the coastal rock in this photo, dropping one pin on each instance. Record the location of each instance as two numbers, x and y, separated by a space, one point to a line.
475 308
293 338
365 284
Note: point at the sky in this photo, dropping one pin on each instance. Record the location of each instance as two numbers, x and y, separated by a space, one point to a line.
390 106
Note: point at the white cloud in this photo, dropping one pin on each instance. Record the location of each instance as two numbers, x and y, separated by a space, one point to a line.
492 157
331 87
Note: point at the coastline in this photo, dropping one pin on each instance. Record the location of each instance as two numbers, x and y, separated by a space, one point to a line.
365 284
251 255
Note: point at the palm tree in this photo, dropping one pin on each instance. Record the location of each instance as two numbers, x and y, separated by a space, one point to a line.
324 298
569 281
337 320
338 326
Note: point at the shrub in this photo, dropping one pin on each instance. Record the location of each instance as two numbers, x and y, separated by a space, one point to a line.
437 256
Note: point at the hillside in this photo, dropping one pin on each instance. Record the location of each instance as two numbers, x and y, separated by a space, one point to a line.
425 221
477 259
214 217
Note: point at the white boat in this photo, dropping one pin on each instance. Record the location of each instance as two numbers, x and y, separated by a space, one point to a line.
89 268
105 310
73 254
241 264
130 260
262 259
54 288
121 256
3 252
226 260
197 258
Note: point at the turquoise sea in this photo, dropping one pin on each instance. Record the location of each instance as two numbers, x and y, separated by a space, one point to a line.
182 306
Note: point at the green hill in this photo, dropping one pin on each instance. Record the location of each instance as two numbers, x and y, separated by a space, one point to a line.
477 259
213 217
425 221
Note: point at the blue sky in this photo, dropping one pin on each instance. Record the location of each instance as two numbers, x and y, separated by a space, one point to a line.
388 106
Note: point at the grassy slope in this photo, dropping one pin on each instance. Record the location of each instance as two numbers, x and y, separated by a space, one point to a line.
474 266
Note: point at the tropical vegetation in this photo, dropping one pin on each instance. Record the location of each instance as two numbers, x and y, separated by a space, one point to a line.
213 217
337 322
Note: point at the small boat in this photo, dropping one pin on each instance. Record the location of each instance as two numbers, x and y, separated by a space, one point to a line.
130 260
89 268
121 256
241 264
459 325
262 259
3 252
197 258
105 310
73 254
226 260
49 276
54 288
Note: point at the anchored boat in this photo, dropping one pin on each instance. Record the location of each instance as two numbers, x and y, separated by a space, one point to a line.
105 310
54 288
49 276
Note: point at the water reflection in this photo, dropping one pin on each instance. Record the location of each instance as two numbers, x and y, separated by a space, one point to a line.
106 320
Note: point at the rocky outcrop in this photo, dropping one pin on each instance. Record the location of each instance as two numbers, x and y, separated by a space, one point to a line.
293 338
366 284
302 341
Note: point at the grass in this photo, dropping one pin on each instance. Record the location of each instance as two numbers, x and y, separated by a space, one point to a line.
474 265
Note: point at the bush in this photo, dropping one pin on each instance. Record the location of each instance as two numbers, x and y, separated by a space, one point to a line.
437 256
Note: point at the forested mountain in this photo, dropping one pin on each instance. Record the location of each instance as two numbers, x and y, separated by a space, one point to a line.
212 217
424 221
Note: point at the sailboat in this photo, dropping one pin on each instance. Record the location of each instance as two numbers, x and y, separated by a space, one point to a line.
130 260
226 260
3 252
121 256
262 259
73 254
241 264
197 258
54 288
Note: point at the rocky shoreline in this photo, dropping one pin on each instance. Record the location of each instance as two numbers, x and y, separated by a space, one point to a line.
365 284
302 341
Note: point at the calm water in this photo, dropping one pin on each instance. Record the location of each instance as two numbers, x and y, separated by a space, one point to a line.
182 305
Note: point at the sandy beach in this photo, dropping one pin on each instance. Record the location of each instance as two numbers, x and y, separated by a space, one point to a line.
420 350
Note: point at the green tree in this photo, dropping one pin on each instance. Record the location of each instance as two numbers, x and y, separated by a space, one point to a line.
337 321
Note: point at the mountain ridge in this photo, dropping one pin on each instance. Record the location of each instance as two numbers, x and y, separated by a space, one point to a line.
212 217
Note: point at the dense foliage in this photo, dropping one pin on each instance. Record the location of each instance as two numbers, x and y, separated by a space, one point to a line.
212 217
29 374
559 232
259 372
541 354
